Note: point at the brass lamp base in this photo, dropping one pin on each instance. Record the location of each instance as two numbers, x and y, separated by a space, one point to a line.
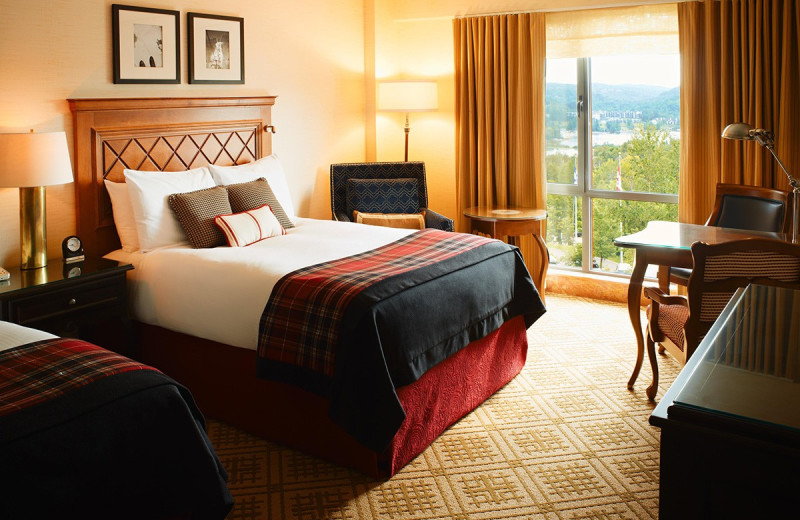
32 228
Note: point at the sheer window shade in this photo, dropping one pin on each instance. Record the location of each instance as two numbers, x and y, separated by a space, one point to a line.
647 29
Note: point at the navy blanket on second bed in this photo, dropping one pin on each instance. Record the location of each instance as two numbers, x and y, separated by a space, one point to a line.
87 433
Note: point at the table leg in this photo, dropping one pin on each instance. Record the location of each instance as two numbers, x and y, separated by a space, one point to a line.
634 303
543 266
663 278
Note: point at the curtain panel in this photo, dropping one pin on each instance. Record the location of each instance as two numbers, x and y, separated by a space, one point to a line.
499 76
739 63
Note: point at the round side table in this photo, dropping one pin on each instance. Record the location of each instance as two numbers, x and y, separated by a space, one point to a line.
511 222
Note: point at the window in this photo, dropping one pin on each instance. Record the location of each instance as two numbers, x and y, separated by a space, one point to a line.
612 140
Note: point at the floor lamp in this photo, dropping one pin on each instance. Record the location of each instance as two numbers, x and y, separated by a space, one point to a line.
407 96
745 132
30 162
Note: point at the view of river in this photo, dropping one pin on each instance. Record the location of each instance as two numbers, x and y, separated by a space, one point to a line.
568 144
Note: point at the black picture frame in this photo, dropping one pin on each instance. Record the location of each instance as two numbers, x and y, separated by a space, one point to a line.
216 49
146 44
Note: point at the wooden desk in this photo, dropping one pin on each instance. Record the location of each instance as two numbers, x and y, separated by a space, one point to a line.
730 426
511 222
668 244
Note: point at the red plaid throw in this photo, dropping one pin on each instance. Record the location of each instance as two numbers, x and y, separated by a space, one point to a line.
300 325
38 372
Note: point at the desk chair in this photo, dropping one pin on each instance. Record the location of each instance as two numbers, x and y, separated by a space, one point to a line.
382 187
740 207
679 323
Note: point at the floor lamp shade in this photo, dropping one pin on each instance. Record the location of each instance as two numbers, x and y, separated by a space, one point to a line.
30 162
408 96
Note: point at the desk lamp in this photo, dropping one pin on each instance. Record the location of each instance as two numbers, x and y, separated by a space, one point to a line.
30 162
745 132
407 96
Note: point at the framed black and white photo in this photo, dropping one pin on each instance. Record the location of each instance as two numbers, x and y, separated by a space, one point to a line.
216 48
146 45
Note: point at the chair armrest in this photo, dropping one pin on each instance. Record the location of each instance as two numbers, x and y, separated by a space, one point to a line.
437 221
661 298
341 216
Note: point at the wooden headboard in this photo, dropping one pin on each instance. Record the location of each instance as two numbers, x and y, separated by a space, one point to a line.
158 134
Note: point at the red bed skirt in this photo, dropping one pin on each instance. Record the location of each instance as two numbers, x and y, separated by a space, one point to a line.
223 383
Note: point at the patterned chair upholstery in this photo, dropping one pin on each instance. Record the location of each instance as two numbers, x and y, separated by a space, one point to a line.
382 187
679 323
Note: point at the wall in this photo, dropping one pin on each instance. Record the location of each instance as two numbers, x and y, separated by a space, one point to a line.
310 54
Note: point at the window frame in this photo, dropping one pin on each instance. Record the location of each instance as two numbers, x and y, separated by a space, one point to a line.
583 165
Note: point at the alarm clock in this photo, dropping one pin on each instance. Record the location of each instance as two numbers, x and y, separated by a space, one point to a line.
72 249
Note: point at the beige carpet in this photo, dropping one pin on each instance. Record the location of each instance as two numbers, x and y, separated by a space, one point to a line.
563 440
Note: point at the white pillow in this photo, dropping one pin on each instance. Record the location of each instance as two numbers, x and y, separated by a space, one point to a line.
124 219
243 229
268 167
148 191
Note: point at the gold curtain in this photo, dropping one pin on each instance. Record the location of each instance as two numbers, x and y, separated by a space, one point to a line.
739 63
499 73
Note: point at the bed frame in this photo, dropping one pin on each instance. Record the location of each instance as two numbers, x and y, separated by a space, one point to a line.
172 134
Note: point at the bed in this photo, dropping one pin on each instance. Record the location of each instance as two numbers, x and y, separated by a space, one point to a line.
199 310
86 432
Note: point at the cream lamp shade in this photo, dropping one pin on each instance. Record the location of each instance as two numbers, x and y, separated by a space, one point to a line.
408 96
31 159
30 162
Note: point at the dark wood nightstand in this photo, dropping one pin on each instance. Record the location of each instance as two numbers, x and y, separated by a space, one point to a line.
71 300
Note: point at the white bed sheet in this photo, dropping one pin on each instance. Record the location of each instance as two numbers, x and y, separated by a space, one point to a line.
13 335
220 293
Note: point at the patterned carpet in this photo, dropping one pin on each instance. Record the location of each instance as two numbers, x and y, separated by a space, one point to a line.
564 440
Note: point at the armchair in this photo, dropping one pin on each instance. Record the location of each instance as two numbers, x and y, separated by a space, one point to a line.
354 188
679 323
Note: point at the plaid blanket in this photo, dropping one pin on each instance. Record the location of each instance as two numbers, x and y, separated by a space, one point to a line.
301 322
355 329
85 429
40 371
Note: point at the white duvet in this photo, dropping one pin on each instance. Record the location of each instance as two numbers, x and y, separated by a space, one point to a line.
220 293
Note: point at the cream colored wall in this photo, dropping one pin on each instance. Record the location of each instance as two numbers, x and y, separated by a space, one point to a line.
310 54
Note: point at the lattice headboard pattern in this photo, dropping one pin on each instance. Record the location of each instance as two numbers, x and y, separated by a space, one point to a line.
183 151
166 134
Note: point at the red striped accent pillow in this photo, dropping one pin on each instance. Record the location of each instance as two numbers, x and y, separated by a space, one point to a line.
248 227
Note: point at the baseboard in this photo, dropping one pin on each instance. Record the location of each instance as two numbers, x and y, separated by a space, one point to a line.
588 285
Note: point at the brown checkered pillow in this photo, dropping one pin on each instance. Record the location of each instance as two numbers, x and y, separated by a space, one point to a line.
196 211
254 194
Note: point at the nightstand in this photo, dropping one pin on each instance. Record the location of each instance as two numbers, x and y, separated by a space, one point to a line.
71 300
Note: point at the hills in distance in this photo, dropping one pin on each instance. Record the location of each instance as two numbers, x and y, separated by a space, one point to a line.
652 100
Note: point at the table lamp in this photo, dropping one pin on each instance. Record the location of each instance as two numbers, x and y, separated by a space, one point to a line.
407 96
745 132
30 162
